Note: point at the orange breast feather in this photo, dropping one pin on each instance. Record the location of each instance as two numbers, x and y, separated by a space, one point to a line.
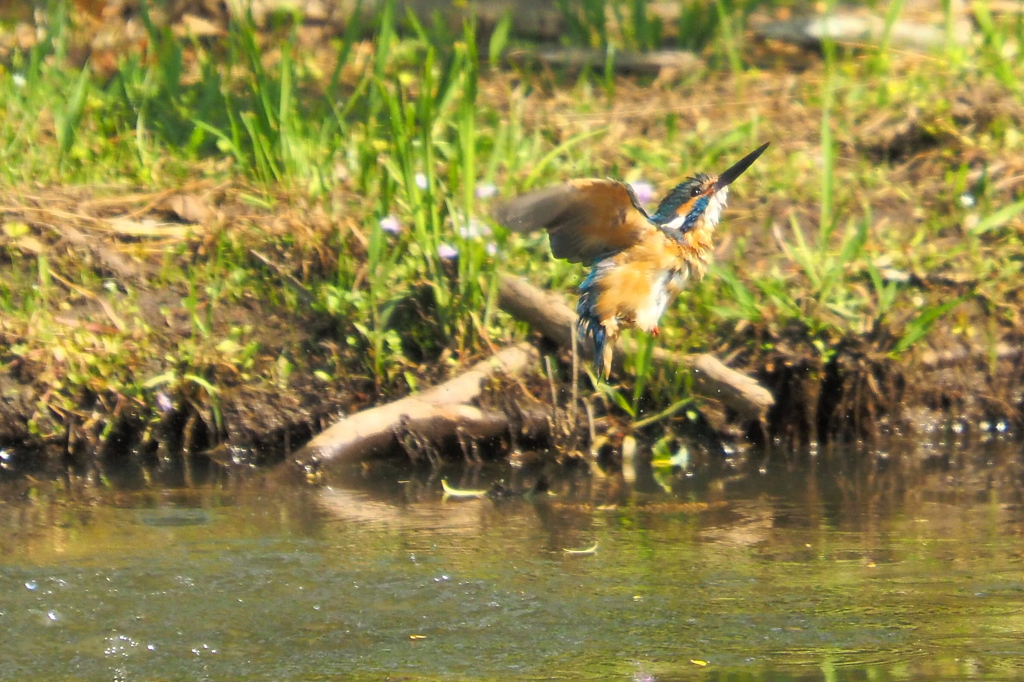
646 278
624 290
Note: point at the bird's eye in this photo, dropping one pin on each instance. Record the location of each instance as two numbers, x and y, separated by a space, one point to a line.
695 192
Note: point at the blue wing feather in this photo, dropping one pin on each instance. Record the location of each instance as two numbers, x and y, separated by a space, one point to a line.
587 321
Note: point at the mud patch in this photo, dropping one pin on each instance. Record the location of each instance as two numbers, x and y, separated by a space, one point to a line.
131 352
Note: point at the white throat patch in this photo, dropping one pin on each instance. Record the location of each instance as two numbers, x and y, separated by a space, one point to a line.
716 202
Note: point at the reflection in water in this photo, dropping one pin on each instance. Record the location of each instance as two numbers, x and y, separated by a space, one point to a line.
905 565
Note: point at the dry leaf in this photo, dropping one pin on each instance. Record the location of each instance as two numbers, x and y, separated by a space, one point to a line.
30 245
189 208
196 26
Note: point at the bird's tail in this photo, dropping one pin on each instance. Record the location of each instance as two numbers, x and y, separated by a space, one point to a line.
588 324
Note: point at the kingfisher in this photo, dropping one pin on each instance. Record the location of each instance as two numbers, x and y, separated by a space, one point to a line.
638 262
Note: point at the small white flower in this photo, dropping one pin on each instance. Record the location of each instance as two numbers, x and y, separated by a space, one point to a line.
164 402
967 200
421 180
474 229
390 224
447 252
19 80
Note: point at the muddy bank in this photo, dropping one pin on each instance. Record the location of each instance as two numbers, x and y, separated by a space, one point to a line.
242 411
271 248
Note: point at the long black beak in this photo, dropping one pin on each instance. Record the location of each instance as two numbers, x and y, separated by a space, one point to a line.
736 170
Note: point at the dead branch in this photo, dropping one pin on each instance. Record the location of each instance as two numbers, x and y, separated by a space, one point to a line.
434 414
577 59
547 312
860 29
935 360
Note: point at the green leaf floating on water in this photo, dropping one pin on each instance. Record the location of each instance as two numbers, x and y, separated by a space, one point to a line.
582 552
461 493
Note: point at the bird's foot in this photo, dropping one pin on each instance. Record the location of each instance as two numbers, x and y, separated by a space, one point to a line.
655 332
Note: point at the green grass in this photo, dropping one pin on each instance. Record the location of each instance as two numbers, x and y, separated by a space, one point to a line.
406 133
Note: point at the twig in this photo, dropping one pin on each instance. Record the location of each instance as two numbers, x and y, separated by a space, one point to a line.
103 303
554 391
286 276
575 378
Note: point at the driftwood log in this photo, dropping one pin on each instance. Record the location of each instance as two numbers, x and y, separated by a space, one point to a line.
548 313
433 414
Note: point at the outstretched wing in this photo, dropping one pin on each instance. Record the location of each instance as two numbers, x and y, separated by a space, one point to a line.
587 220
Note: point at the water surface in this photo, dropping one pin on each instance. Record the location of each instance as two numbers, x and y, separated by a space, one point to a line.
902 567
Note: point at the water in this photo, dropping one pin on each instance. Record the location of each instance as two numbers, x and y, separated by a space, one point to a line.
909 567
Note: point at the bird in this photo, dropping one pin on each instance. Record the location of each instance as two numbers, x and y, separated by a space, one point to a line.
638 262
